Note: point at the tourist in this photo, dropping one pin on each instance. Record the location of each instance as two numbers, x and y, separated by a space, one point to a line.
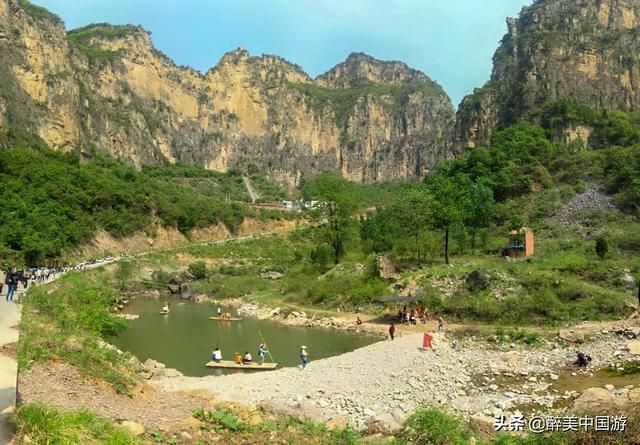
217 355
582 360
412 317
392 331
219 312
262 352
247 360
237 358
11 280
358 321
399 316
440 324
165 308
304 357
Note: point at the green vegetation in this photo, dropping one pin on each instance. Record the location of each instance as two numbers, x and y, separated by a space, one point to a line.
430 427
425 427
333 216
47 425
38 12
611 128
281 430
52 202
81 38
198 270
602 247
217 184
68 322
343 100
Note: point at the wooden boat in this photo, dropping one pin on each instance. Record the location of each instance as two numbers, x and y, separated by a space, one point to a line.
229 364
225 318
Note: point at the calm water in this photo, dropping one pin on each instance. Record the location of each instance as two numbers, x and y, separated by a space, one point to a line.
185 337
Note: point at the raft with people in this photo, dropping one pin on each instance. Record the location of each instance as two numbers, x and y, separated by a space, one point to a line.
230 364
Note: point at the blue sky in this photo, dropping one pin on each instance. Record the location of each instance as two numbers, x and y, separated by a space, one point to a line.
452 41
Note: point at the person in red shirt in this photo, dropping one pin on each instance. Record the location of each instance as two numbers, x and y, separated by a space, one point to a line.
392 330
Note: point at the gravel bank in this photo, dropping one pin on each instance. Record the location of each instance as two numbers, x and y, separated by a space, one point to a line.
386 381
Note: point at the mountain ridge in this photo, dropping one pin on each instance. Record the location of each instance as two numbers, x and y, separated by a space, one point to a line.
106 89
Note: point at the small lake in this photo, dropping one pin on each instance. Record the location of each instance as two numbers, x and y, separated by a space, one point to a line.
185 337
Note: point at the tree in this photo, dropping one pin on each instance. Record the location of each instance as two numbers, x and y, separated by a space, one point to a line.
123 273
338 202
413 213
482 207
450 203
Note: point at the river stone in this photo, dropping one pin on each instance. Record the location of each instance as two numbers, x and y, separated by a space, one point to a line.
483 423
152 364
571 336
634 347
382 423
133 428
337 423
511 357
593 398
255 419
634 395
170 372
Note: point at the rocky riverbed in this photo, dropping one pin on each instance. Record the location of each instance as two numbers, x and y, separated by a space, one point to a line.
378 386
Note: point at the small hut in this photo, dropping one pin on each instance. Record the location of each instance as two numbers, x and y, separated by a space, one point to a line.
521 243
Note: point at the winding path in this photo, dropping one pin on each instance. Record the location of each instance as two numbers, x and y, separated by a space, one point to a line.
9 318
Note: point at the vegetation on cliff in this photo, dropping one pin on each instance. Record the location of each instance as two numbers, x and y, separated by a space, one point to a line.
342 101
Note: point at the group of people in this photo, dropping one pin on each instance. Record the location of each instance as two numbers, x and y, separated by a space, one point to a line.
224 315
418 313
14 277
247 359
238 358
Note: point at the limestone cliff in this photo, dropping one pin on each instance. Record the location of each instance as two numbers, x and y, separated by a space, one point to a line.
106 89
584 50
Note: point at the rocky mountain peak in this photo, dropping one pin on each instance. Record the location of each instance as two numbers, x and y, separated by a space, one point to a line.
235 57
360 68
586 51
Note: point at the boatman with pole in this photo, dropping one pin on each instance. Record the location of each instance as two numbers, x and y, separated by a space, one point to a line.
262 352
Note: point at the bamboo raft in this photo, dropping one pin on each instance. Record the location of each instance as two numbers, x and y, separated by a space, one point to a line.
225 319
164 312
229 364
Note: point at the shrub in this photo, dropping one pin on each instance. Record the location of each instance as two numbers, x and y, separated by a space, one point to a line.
198 270
602 247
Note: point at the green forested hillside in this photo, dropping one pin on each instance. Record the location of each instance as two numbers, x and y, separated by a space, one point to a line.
52 201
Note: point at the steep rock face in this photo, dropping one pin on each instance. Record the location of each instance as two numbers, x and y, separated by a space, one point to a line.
585 50
106 89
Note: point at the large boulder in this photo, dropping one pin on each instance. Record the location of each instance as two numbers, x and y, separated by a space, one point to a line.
385 267
511 357
133 428
483 423
571 336
478 279
593 399
634 347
